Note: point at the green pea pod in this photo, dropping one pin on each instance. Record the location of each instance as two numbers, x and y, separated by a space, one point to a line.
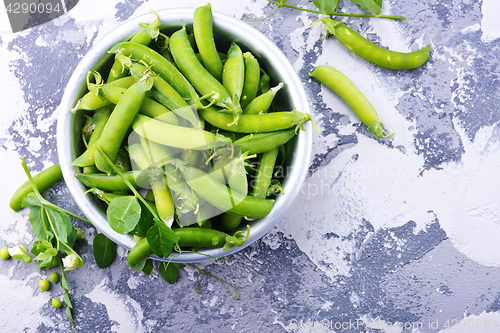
171 98
233 75
200 78
255 123
238 182
262 142
204 37
344 87
144 36
186 199
149 106
99 120
372 52
252 79
161 66
262 103
229 221
92 100
107 197
119 122
210 189
140 251
265 172
43 180
109 182
162 197
175 136
221 196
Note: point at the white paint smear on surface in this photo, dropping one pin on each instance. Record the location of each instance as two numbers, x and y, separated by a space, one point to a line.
386 186
116 306
490 25
19 308
484 322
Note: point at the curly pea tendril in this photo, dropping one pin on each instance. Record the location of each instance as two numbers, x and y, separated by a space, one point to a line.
203 273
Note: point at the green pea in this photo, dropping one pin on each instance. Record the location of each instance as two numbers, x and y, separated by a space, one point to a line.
56 303
4 253
92 101
44 285
54 277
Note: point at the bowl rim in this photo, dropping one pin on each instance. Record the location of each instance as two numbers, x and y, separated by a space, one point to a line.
302 154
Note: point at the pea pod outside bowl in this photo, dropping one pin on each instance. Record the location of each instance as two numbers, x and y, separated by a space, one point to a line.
226 30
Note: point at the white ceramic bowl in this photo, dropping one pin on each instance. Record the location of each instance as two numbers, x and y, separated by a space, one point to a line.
226 30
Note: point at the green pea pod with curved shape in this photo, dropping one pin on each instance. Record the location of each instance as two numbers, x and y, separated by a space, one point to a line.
359 104
372 52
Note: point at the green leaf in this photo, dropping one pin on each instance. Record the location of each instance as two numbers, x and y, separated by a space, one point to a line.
104 250
148 267
59 221
67 300
158 240
145 222
31 200
124 213
169 272
68 313
171 236
49 253
41 230
64 282
326 6
49 262
374 6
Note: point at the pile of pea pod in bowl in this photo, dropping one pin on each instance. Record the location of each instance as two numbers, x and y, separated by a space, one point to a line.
184 135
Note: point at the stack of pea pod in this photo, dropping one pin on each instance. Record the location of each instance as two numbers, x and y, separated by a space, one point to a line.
200 127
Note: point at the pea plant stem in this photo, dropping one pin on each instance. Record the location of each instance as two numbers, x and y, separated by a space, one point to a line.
390 17
115 168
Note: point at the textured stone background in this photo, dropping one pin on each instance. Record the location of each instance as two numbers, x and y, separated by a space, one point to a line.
403 230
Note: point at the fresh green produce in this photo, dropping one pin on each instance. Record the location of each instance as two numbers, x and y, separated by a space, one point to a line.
54 232
56 303
182 163
44 285
54 277
203 34
372 52
344 87
43 181
4 253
